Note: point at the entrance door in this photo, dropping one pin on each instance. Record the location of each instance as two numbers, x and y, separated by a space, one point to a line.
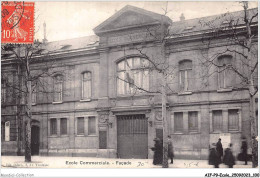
35 140
132 138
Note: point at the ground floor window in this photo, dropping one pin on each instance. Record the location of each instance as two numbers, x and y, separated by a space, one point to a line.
53 126
86 125
217 120
193 121
63 126
91 126
185 122
178 122
80 126
233 119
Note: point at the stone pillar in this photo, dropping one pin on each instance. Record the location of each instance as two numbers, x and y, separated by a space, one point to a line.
71 131
103 76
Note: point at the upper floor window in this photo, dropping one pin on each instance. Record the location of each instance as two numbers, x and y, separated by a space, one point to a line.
58 88
185 69
3 91
86 85
225 73
132 76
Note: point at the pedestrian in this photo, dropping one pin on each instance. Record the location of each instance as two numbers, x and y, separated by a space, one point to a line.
170 149
229 158
219 149
213 156
158 150
244 149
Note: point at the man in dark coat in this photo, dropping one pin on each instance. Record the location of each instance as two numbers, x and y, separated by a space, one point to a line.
158 152
219 149
229 159
170 149
244 149
214 158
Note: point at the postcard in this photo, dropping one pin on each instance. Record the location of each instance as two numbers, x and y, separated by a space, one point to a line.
135 85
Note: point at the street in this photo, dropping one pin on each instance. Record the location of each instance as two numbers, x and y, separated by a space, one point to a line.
91 162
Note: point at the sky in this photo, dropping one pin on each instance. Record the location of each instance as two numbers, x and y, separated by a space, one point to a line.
65 20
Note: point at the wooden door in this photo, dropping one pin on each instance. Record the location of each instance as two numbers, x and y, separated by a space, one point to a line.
35 140
132 138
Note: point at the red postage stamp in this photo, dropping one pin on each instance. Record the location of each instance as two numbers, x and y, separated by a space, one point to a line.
17 22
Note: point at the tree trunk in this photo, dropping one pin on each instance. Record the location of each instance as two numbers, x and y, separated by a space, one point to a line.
165 124
19 110
253 125
28 123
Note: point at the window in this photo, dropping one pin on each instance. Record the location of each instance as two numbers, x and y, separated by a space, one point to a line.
34 91
63 126
3 91
58 84
193 121
7 131
178 122
132 73
86 85
233 119
225 73
217 120
185 69
53 127
91 126
80 126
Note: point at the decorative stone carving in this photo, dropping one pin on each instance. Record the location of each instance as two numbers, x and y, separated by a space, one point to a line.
158 116
103 118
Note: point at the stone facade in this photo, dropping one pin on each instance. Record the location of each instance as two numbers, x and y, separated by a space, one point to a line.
117 39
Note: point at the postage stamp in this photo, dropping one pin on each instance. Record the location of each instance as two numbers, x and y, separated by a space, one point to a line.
17 22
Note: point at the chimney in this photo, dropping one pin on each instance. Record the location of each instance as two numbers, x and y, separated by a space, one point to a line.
44 33
182 18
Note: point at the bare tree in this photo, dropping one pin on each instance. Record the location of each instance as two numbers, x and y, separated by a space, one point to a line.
30 80
239 37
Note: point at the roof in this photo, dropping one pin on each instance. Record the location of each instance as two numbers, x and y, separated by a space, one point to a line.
210 22
72 44
146 17
177 28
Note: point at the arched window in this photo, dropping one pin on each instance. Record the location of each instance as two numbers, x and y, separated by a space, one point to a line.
86 85
225 72
58 88
132 74
185 69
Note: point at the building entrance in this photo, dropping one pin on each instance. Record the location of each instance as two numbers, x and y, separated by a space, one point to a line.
132 138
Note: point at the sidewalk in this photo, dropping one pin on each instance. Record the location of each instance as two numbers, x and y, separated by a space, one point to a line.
88 162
